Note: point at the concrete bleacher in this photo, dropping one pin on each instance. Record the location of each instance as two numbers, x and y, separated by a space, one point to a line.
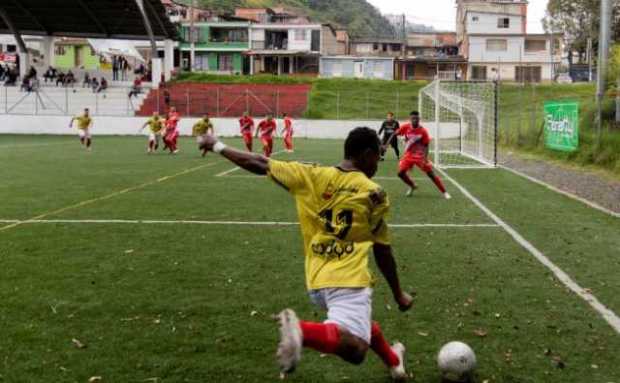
52 100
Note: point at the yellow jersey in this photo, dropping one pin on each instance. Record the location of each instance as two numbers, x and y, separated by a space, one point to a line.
342 214
155 124
83 122
201 127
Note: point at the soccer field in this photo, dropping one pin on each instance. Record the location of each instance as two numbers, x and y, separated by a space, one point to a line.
162 268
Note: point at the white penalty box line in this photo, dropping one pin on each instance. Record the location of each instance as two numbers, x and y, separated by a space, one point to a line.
227 223
610 317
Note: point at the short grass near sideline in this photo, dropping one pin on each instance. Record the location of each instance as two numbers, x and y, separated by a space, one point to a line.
133 269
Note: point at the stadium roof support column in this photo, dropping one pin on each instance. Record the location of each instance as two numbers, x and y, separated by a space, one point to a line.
24 62
156 62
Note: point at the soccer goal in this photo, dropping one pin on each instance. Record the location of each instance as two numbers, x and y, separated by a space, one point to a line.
462 119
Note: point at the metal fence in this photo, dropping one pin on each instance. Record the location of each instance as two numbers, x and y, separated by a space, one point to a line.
50 100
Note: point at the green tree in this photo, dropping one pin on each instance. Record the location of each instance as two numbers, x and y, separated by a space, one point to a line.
579 20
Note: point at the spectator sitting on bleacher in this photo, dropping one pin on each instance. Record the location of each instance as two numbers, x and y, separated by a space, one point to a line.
94 84
11 77
87 81
103 85
50 74
136 89
69 78
60 78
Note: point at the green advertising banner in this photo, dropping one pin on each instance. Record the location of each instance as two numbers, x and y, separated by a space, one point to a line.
562 125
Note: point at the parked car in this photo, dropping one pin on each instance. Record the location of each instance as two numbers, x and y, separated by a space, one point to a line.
564 78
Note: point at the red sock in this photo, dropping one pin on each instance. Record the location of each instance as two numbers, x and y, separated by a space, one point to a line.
381 347
438 183
323 337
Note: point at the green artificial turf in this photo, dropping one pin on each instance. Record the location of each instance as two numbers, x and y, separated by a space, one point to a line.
190 302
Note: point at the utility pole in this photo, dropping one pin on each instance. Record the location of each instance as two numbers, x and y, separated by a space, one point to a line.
192 37
589 58
404 36
603 56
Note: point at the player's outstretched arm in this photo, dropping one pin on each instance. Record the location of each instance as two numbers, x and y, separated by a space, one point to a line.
252 162
71 122
386 263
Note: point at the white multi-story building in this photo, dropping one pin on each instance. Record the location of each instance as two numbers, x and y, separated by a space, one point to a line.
282 42
492 36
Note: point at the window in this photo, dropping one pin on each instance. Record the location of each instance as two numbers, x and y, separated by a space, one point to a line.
503 22
375 47
384 47
557 45
59 50
224 63
535 45
497 45
475 18
479 72
300 35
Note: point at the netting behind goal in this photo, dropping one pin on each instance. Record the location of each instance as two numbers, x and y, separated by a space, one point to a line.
460 116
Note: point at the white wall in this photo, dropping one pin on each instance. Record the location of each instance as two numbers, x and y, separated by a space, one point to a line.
225 127
487 23
507 70
515 50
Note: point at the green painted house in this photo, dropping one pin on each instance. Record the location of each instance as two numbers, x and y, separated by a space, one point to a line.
75 53
219 46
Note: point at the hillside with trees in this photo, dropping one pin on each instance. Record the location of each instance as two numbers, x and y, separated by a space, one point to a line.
359 17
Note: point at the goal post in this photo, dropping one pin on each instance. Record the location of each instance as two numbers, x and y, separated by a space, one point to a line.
462 119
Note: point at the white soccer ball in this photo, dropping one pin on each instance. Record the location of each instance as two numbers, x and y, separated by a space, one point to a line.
456 361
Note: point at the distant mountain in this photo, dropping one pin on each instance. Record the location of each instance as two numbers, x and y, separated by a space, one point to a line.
359 17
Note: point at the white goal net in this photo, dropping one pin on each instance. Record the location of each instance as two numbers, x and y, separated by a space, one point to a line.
461 118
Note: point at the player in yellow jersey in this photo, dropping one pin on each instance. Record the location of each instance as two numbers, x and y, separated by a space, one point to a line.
156 126
342 217
84 123
201 129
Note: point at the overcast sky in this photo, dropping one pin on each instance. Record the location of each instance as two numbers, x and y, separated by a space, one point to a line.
442 13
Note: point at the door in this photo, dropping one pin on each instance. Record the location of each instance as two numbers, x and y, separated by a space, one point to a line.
315 43
78 56
358 69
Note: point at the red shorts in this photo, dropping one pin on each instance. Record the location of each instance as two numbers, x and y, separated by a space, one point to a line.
247 137
267 141
409 161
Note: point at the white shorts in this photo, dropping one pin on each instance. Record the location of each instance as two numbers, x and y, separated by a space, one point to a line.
350 308
200 139
84 133
153 136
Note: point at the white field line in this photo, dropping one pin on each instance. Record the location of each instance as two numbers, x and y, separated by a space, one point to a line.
227 172
606 313
107 196
565 193
225 223
35 145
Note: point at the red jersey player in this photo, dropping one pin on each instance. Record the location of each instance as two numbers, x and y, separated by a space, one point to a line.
287 133
171 134
417 141
267 129
246 125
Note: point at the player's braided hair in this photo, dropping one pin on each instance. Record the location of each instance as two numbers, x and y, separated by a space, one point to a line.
359 140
